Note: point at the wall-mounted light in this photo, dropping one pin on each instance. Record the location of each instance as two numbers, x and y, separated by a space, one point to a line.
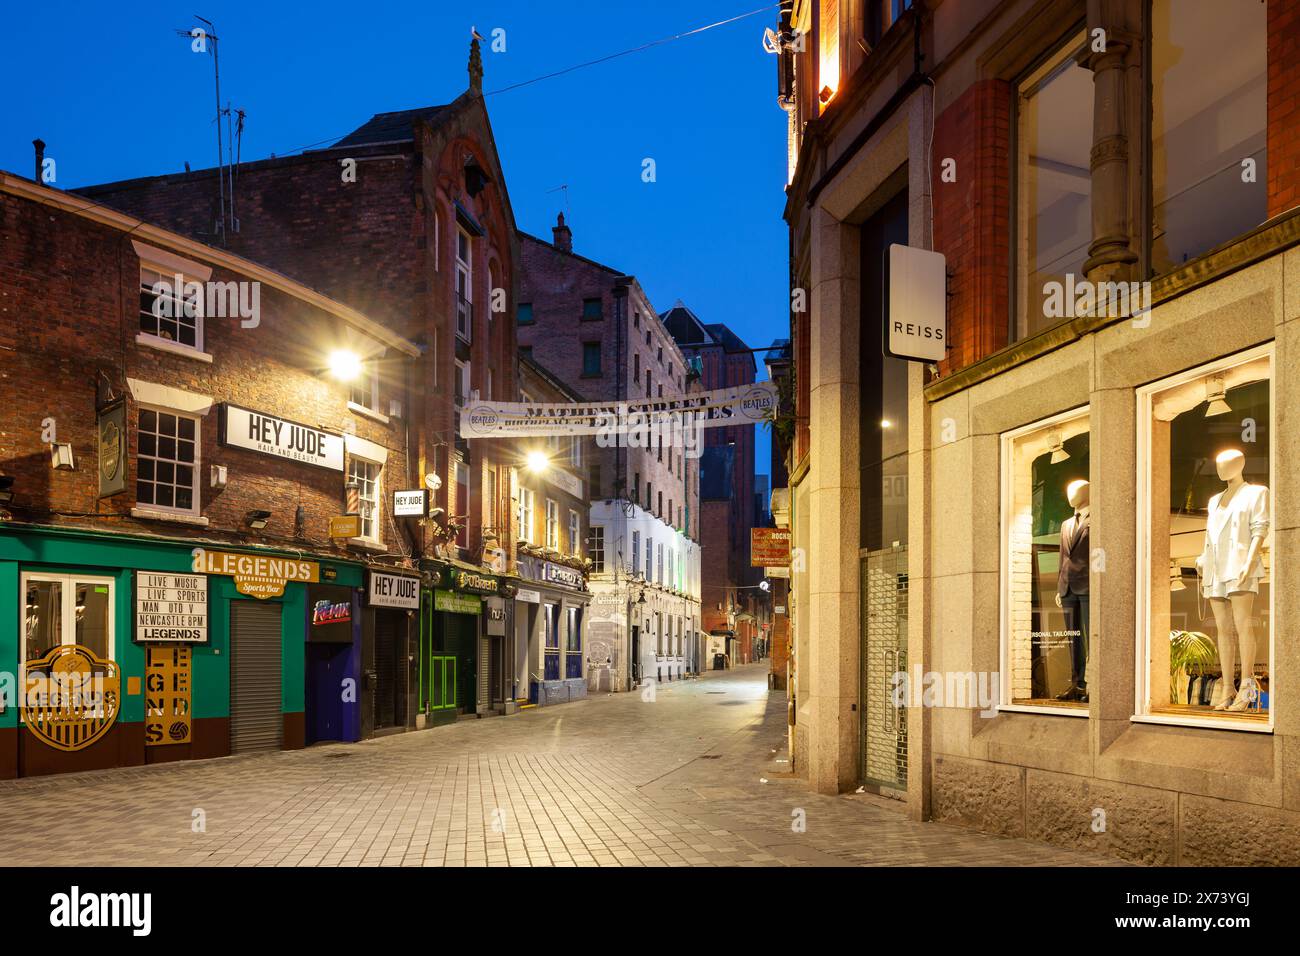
61 456
257 520
538 462
344 365
218 476
765 585
1059 454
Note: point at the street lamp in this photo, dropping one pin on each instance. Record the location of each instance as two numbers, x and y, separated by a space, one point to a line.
344 365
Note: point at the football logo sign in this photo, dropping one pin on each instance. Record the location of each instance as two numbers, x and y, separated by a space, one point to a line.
71 697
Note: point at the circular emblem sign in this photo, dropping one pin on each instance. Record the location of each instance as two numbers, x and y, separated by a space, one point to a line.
71 697
482 419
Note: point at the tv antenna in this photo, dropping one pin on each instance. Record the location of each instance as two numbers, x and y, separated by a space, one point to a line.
209 34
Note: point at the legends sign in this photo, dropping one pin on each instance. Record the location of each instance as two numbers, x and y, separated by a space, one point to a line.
256 575
171 608
257 431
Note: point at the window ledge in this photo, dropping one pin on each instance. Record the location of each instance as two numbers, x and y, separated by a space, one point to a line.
368 412
175 517
162 345
366 544
1205 723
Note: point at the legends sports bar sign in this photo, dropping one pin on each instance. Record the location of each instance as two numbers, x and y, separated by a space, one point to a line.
743 405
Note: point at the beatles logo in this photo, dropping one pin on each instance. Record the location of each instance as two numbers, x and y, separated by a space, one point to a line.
326 612
71 697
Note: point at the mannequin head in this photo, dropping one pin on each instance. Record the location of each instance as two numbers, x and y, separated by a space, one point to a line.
1230 464
1077 493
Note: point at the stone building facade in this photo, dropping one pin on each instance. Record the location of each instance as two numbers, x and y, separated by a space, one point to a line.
1048 149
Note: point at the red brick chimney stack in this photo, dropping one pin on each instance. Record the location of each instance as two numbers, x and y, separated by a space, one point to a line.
563 235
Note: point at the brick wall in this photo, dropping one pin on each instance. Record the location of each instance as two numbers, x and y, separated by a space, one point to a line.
69 306
555 283
1283 105
384 244
971 226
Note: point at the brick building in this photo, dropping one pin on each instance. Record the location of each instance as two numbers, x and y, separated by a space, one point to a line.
407 218
1113 187
169 476
552 655
592 325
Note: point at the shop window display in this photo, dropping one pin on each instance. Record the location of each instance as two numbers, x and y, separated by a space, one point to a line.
1207 587
1046 564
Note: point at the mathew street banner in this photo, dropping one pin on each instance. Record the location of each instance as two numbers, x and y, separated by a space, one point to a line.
724 406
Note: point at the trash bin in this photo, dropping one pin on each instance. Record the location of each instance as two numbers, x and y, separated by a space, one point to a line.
719 662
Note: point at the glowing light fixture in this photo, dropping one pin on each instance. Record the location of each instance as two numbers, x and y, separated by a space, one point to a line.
1216 395
886 423
538 462
1059 454
344 365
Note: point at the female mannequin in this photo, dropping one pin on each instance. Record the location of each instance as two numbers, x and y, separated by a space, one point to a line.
1230 566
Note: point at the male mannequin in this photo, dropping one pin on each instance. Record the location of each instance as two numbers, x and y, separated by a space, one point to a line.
1230 566
1072 586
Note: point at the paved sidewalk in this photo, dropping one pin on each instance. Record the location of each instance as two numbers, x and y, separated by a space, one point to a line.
612 780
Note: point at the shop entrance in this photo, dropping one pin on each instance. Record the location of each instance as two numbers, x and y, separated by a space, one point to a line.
460 640
883 580
256 721
327 668
390 695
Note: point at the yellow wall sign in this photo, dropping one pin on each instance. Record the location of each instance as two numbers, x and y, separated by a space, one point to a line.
167 696
70 697
345 526
256 575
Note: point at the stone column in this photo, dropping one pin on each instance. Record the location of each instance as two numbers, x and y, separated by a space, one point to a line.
1113 55
834 505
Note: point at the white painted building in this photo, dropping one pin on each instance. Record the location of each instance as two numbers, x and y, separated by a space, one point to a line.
645 608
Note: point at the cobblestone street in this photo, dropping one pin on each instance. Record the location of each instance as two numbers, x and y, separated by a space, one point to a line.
608 781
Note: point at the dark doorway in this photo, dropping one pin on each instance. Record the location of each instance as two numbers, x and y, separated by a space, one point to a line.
390 697
327 668
636 655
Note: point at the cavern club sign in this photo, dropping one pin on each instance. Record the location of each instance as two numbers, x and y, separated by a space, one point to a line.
279 437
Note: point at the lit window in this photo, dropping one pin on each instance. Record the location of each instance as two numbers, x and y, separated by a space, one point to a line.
1046 564
573 645
365 475
364 390
552 525
167 457
575 533
526 515
1205 582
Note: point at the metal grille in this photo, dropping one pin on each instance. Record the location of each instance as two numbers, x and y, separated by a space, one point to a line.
884 653
256 722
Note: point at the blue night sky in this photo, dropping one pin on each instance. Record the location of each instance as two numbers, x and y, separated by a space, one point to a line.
115 94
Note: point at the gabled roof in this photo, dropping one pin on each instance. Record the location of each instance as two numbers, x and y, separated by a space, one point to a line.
396 127
686 329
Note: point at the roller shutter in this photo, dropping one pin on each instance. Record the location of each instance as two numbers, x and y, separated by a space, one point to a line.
256 722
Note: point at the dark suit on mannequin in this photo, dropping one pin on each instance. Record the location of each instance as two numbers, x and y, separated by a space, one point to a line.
1072 588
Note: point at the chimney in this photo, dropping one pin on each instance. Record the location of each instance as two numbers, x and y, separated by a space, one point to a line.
39 145
563 235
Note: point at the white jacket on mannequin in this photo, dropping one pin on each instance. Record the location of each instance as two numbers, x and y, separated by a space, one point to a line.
1228 533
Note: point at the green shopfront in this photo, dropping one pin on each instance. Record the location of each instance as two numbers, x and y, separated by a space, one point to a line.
463 650
204 648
